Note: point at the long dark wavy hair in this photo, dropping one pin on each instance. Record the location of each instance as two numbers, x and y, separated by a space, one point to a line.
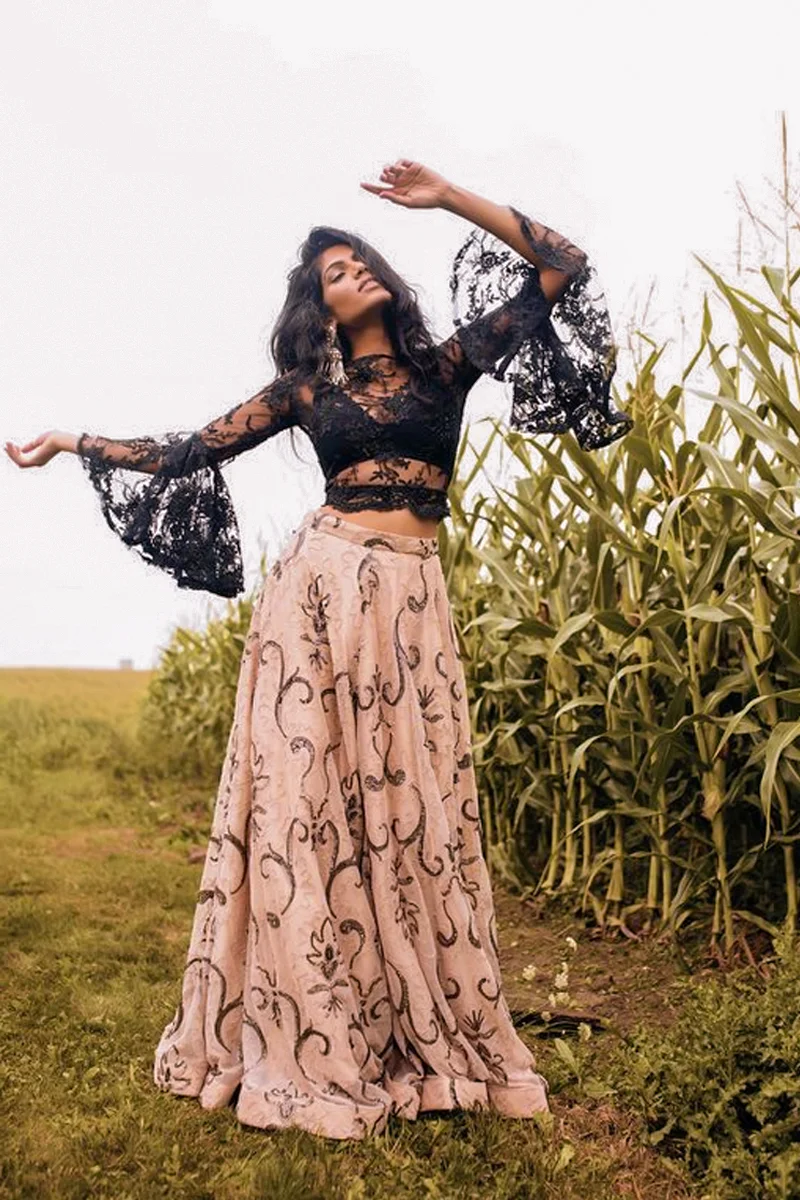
299 337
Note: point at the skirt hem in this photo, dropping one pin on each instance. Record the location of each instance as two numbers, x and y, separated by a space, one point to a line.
342 1118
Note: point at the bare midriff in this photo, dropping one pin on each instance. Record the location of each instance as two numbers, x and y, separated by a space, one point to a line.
395 520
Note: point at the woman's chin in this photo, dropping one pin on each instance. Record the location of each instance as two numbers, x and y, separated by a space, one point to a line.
372 300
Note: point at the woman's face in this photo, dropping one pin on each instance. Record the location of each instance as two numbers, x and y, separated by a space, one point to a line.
349 291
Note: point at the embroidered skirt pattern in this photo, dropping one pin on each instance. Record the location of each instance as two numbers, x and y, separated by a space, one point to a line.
343 960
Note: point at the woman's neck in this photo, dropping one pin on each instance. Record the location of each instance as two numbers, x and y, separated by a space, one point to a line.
362 347
371 339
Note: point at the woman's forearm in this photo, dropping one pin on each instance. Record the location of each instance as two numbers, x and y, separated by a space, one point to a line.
137 454
551 252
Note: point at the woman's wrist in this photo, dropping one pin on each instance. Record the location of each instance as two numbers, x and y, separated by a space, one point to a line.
494 218
67 441
452 198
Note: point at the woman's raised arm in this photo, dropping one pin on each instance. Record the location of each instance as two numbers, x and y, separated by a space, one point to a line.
528 309
557 259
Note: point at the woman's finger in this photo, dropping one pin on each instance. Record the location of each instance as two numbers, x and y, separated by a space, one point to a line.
37 441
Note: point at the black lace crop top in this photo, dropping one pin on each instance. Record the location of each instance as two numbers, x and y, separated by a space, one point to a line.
379 443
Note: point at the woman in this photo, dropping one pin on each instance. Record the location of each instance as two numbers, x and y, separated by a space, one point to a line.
343 962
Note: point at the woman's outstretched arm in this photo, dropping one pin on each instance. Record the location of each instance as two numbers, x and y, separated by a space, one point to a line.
166 497
242 427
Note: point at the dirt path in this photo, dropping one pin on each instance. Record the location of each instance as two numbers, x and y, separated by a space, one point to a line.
624 981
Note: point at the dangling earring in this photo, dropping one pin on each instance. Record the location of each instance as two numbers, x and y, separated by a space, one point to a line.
333 367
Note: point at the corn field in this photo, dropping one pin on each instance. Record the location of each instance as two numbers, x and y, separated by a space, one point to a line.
631 631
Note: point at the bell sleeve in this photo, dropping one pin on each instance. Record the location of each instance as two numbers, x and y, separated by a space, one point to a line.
559 356
167 498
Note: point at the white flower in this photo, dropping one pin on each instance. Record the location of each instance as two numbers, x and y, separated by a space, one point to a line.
529 972
584 1031
551 999
546 1015
562 981
572 945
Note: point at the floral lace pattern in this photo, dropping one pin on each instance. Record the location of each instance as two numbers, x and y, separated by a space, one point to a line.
380 442
425 502
560 358
167 497
386 434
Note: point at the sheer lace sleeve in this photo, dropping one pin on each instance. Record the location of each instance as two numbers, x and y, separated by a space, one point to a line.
166 496
559 356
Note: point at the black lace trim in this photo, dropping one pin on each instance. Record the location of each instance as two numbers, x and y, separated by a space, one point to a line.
181 518
424 502
560 358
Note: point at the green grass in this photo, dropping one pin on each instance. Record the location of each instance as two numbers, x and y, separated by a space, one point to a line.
96 901
115 695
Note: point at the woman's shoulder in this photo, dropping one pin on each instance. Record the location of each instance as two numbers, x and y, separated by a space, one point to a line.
295 385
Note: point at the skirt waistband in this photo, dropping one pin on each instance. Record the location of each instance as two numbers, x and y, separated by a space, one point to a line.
374 539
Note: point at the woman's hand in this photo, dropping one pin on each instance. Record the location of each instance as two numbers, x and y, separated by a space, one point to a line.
41 449
410 184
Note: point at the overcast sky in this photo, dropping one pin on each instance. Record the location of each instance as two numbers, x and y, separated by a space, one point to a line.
162 162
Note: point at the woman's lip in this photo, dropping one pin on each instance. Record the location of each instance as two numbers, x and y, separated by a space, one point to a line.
367 283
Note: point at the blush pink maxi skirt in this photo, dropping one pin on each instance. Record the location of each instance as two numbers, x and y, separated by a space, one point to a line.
343 961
